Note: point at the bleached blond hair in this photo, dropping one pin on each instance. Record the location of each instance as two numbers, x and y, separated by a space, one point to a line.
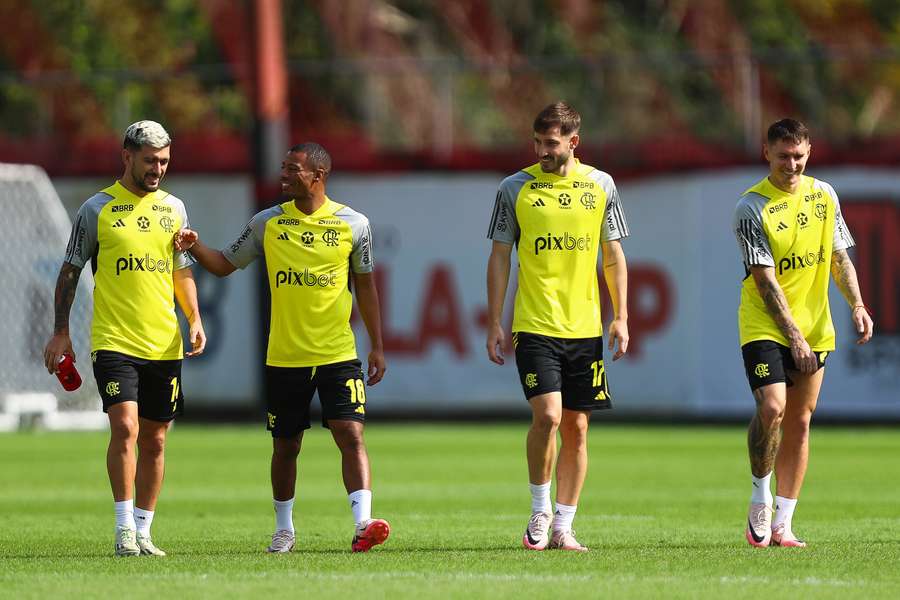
146 133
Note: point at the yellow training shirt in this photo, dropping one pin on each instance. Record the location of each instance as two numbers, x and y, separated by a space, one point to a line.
128 240
796 235
308 258
557 224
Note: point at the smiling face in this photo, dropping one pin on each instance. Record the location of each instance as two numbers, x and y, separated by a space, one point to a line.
297 179
787 161
554 149
145 168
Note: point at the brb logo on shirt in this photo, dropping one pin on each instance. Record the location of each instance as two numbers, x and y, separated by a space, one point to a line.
304 278
565 241
801 261
146 263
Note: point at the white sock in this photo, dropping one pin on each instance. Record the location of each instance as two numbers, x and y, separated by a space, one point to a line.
784 512
540 498
761 494
125 514
143 519
284 517
563 517
361 505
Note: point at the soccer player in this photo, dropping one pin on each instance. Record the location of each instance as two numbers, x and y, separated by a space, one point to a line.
126 232
791 233
311 245
559 213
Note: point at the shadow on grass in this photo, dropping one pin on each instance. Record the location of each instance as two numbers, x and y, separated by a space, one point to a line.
506 549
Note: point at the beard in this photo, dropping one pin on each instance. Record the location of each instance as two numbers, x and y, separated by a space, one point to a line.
140 180
555 163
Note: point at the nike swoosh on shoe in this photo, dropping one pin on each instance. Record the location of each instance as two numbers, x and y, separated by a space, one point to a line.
756 538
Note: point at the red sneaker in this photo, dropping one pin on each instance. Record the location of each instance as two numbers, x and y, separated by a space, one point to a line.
370 533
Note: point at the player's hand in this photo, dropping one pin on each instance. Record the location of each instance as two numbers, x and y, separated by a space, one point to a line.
496 339
864 324
377 367
618 330
58 345
804 357
185 239
197 337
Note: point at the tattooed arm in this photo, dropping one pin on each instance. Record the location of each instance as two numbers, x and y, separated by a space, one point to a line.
777 305
844 274
61 343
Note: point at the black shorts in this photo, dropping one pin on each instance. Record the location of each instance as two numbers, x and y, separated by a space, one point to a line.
342 393
768 362
154 384
571 366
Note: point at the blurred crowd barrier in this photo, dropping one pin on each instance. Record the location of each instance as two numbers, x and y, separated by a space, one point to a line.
648 111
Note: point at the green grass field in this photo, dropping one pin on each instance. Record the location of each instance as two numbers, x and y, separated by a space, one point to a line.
663 511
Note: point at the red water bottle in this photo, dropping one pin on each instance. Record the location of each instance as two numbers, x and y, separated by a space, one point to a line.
68 374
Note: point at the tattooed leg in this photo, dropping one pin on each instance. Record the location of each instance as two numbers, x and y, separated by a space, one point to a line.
764 434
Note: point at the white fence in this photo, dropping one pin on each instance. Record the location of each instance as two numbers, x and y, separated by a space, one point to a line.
685 274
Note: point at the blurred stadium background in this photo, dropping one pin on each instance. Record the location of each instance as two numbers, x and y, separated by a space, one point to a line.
425 106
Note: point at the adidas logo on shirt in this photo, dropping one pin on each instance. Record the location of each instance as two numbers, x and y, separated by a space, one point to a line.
119 223
781 226
284 236
538 202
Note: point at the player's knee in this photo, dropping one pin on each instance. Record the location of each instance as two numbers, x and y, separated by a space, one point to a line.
770 413
546 421
286 448
349 439
353 444
799 424
153 444
574 433
123 430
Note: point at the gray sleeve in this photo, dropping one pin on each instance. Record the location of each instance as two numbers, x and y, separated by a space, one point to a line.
249 244
504 224
362 259
615 227
184 258
748 229
842 237
83 240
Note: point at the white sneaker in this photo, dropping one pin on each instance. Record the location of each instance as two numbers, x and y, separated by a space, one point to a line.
565 540
282 541
786 538
148 548
759 525
126 545
537 534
